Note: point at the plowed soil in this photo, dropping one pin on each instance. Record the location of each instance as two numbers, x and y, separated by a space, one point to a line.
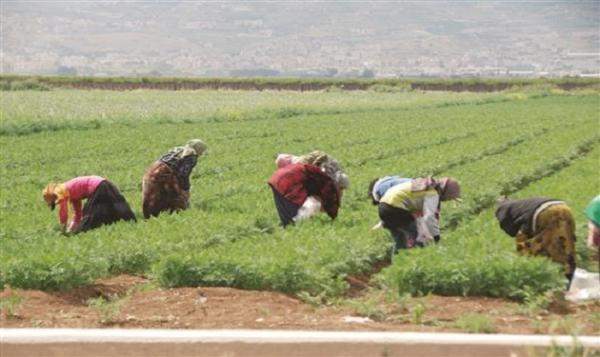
133 302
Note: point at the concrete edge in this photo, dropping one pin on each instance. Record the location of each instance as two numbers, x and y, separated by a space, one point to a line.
150 336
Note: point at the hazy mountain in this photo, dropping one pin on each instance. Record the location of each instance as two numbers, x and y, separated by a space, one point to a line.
329 38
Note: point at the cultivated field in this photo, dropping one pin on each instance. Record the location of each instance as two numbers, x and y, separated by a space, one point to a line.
520 143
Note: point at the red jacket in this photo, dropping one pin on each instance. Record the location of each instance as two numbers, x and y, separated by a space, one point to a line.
296 182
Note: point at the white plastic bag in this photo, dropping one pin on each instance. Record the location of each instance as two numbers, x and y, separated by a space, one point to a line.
311 206
423 233
584 286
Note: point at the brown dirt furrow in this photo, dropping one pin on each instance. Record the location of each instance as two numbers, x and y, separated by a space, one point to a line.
143 306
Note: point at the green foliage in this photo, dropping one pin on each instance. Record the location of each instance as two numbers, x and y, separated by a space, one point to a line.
477 258
476 323
418 312
440 271
51 272
369 307
108 308
230 235
575 350
536 303
9 304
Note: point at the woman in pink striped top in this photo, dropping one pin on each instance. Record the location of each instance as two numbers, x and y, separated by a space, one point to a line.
104 205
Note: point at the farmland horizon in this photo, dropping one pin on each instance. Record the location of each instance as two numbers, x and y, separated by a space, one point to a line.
217 124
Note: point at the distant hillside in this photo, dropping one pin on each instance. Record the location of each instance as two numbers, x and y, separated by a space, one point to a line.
295 39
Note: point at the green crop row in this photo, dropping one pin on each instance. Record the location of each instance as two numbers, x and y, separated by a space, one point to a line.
244 264
230 236
33 112
479 259
418 148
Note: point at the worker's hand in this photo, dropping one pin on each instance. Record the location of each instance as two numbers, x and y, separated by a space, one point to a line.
425 239
185 195
377 226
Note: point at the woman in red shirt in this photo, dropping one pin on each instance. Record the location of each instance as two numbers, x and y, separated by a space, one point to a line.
293 184
104 205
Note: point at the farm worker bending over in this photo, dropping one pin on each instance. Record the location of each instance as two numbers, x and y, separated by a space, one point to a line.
327 164
542 226
322 160
104 205
292 186
410 209
593 214
166 183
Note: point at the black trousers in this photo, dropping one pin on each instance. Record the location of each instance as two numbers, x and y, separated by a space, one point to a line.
401 225
105 206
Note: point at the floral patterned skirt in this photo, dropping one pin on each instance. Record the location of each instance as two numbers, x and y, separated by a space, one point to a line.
554 237
161 191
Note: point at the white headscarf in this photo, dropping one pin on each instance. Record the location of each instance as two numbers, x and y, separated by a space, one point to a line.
193 147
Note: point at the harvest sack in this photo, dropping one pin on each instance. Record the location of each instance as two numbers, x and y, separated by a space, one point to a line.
311 206
105 206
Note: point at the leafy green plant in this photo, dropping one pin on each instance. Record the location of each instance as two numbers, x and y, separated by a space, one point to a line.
9 304
369 307
555 350
536 303
492 142
108 308
475 323
313 300
418 311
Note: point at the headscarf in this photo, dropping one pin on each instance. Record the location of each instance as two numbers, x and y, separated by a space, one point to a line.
342 180
53 193
316 158
193 147
593 211
283 160
328 165
449 189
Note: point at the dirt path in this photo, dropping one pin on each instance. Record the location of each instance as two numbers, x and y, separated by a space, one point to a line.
132 302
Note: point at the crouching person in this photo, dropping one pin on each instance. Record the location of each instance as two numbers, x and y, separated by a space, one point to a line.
104 205
166 183
541 226
593 214
410 208
322 160
300 190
